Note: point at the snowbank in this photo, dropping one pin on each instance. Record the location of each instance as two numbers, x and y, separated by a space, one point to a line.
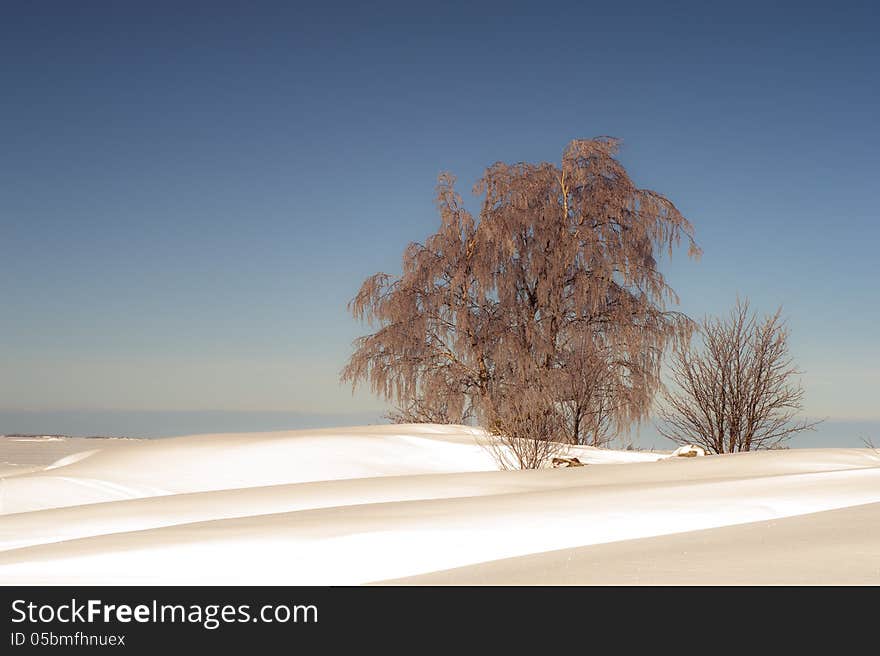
374 503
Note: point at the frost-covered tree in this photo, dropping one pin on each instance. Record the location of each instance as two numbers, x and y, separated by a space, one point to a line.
553 293
736 388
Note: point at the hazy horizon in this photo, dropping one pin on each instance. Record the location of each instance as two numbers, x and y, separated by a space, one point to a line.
173 423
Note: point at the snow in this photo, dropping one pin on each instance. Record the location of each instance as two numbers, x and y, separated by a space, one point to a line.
425 503
689 451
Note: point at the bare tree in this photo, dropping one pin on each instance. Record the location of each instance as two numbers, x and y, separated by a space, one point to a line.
554 292
737 390
526 429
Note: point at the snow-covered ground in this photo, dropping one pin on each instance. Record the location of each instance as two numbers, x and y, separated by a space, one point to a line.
426 504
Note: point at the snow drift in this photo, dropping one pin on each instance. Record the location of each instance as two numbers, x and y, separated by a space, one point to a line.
377 503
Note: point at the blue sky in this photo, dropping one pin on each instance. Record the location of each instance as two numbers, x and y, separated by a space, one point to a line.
192 193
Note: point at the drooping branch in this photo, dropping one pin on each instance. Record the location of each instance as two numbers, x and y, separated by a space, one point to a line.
554 291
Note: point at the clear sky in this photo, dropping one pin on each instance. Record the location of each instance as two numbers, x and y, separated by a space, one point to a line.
191 192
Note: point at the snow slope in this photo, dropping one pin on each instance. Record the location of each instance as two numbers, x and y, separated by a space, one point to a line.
377 503
833 547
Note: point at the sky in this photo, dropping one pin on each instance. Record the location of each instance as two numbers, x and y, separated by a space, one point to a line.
191 192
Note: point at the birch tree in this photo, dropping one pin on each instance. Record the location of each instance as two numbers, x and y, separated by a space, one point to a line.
552 292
